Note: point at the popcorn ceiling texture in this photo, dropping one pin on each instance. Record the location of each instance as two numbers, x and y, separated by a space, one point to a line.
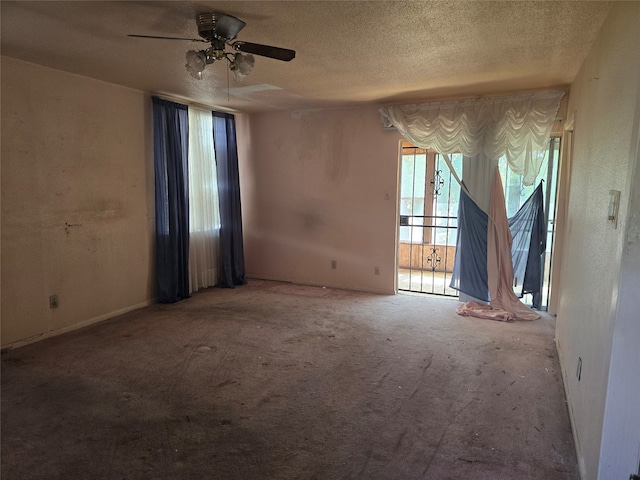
348 53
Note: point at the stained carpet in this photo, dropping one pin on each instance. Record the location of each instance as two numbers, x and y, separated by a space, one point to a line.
278 381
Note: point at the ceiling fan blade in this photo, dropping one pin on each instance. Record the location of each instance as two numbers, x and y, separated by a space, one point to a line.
278 53
228 26
169 38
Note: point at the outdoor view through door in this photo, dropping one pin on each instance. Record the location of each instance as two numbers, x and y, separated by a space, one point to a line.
428 210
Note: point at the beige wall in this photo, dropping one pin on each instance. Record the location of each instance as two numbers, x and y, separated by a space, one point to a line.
604 102
77 200
320 186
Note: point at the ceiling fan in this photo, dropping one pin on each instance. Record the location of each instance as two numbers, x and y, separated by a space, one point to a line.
219 30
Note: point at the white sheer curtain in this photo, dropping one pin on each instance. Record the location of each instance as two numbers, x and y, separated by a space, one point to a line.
204 214
483 130
517 127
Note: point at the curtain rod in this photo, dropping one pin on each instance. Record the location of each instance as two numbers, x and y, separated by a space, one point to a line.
191 103
489 96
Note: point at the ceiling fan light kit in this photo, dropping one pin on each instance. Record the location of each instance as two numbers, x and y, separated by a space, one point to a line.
242 65
196 62
219 30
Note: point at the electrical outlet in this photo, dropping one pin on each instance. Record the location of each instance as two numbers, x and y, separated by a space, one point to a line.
53 301
334 264
376 270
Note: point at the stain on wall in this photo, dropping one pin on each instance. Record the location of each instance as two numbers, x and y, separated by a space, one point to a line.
75 221
323 184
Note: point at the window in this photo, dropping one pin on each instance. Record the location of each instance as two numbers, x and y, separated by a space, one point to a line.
515 193
428 196
204 213
412 192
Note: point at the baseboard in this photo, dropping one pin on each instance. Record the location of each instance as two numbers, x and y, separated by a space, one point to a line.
377 291
574 430
76 326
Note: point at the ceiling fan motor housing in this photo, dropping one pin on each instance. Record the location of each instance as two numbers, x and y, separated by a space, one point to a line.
207 25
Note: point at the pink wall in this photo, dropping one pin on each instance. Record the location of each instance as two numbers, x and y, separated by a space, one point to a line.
319 186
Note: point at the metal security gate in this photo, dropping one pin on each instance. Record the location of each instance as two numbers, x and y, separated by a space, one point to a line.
428 221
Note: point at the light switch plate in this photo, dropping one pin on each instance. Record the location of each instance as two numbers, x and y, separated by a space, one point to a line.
614 205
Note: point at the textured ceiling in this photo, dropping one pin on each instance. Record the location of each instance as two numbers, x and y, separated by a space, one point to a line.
348 52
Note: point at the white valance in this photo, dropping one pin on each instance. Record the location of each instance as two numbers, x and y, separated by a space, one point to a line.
517 127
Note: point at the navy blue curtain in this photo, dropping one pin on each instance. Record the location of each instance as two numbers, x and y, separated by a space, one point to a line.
170 151
470 263
529 234
231 247
528 231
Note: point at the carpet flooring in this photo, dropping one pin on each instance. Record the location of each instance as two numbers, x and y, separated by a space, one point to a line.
277 381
